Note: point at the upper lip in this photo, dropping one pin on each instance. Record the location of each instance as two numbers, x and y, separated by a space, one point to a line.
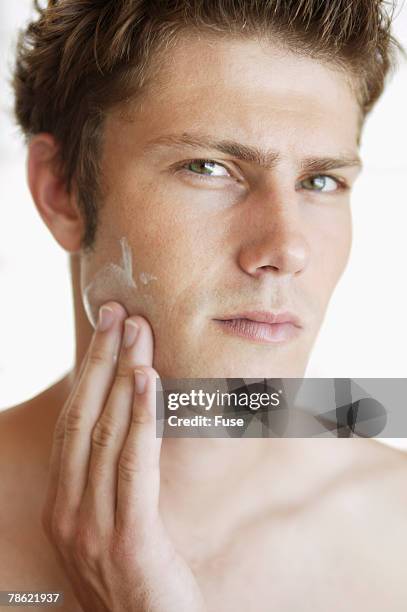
264 316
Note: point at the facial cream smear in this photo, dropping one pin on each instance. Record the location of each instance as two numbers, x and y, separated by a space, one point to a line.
116 282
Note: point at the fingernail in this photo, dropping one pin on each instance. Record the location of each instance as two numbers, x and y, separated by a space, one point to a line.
130 333
140 381
106 317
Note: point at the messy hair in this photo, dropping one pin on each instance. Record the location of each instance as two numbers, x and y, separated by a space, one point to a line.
79 58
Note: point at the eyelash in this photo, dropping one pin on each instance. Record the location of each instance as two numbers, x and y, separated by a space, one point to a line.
202 177
341 183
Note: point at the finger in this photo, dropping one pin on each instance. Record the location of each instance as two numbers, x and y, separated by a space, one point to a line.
109 434
84 409
138 475
57 444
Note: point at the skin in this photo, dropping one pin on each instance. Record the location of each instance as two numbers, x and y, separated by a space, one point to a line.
102 505
292 263
248 238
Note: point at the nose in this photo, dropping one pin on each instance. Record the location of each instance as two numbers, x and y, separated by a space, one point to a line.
279 244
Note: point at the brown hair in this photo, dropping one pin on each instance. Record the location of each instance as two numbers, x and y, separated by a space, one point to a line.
79 58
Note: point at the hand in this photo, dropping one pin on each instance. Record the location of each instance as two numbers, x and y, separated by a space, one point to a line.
101 512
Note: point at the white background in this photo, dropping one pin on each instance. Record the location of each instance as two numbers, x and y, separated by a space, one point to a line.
365 330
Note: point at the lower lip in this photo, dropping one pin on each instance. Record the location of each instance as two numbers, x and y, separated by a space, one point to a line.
260 332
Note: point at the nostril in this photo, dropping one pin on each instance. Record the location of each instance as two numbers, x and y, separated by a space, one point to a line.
268 267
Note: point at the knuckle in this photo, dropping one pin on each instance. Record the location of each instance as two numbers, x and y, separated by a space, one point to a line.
141 417
74 418
128 466
103 433
99 357
59 431
123 372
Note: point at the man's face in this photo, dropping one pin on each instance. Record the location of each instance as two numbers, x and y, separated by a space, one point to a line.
206 234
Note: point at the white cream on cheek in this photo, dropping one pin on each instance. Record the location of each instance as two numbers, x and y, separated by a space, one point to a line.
116 282
146 278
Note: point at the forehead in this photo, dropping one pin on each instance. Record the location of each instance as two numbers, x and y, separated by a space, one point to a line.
250 88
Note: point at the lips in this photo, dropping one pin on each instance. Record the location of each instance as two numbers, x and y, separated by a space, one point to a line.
262 316
261 326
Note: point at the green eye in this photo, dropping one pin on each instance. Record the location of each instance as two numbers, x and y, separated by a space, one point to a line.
320 182
205 167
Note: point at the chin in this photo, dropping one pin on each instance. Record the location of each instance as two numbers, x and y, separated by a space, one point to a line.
230 370
227 362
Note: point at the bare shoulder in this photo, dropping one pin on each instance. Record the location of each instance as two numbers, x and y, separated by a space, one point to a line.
369 512
379 470
24 441
373 486
27 561
26 431
23 474
358 532
19 437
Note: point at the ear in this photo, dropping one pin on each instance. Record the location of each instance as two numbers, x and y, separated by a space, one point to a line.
57 207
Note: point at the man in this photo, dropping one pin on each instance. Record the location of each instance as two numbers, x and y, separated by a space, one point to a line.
196 159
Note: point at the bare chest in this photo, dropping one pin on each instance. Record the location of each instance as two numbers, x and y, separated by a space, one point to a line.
313 565
306 568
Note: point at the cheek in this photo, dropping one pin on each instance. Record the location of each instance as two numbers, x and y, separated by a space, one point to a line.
115 281
344 242
335 250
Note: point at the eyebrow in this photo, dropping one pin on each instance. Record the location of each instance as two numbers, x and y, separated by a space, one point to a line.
266 159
